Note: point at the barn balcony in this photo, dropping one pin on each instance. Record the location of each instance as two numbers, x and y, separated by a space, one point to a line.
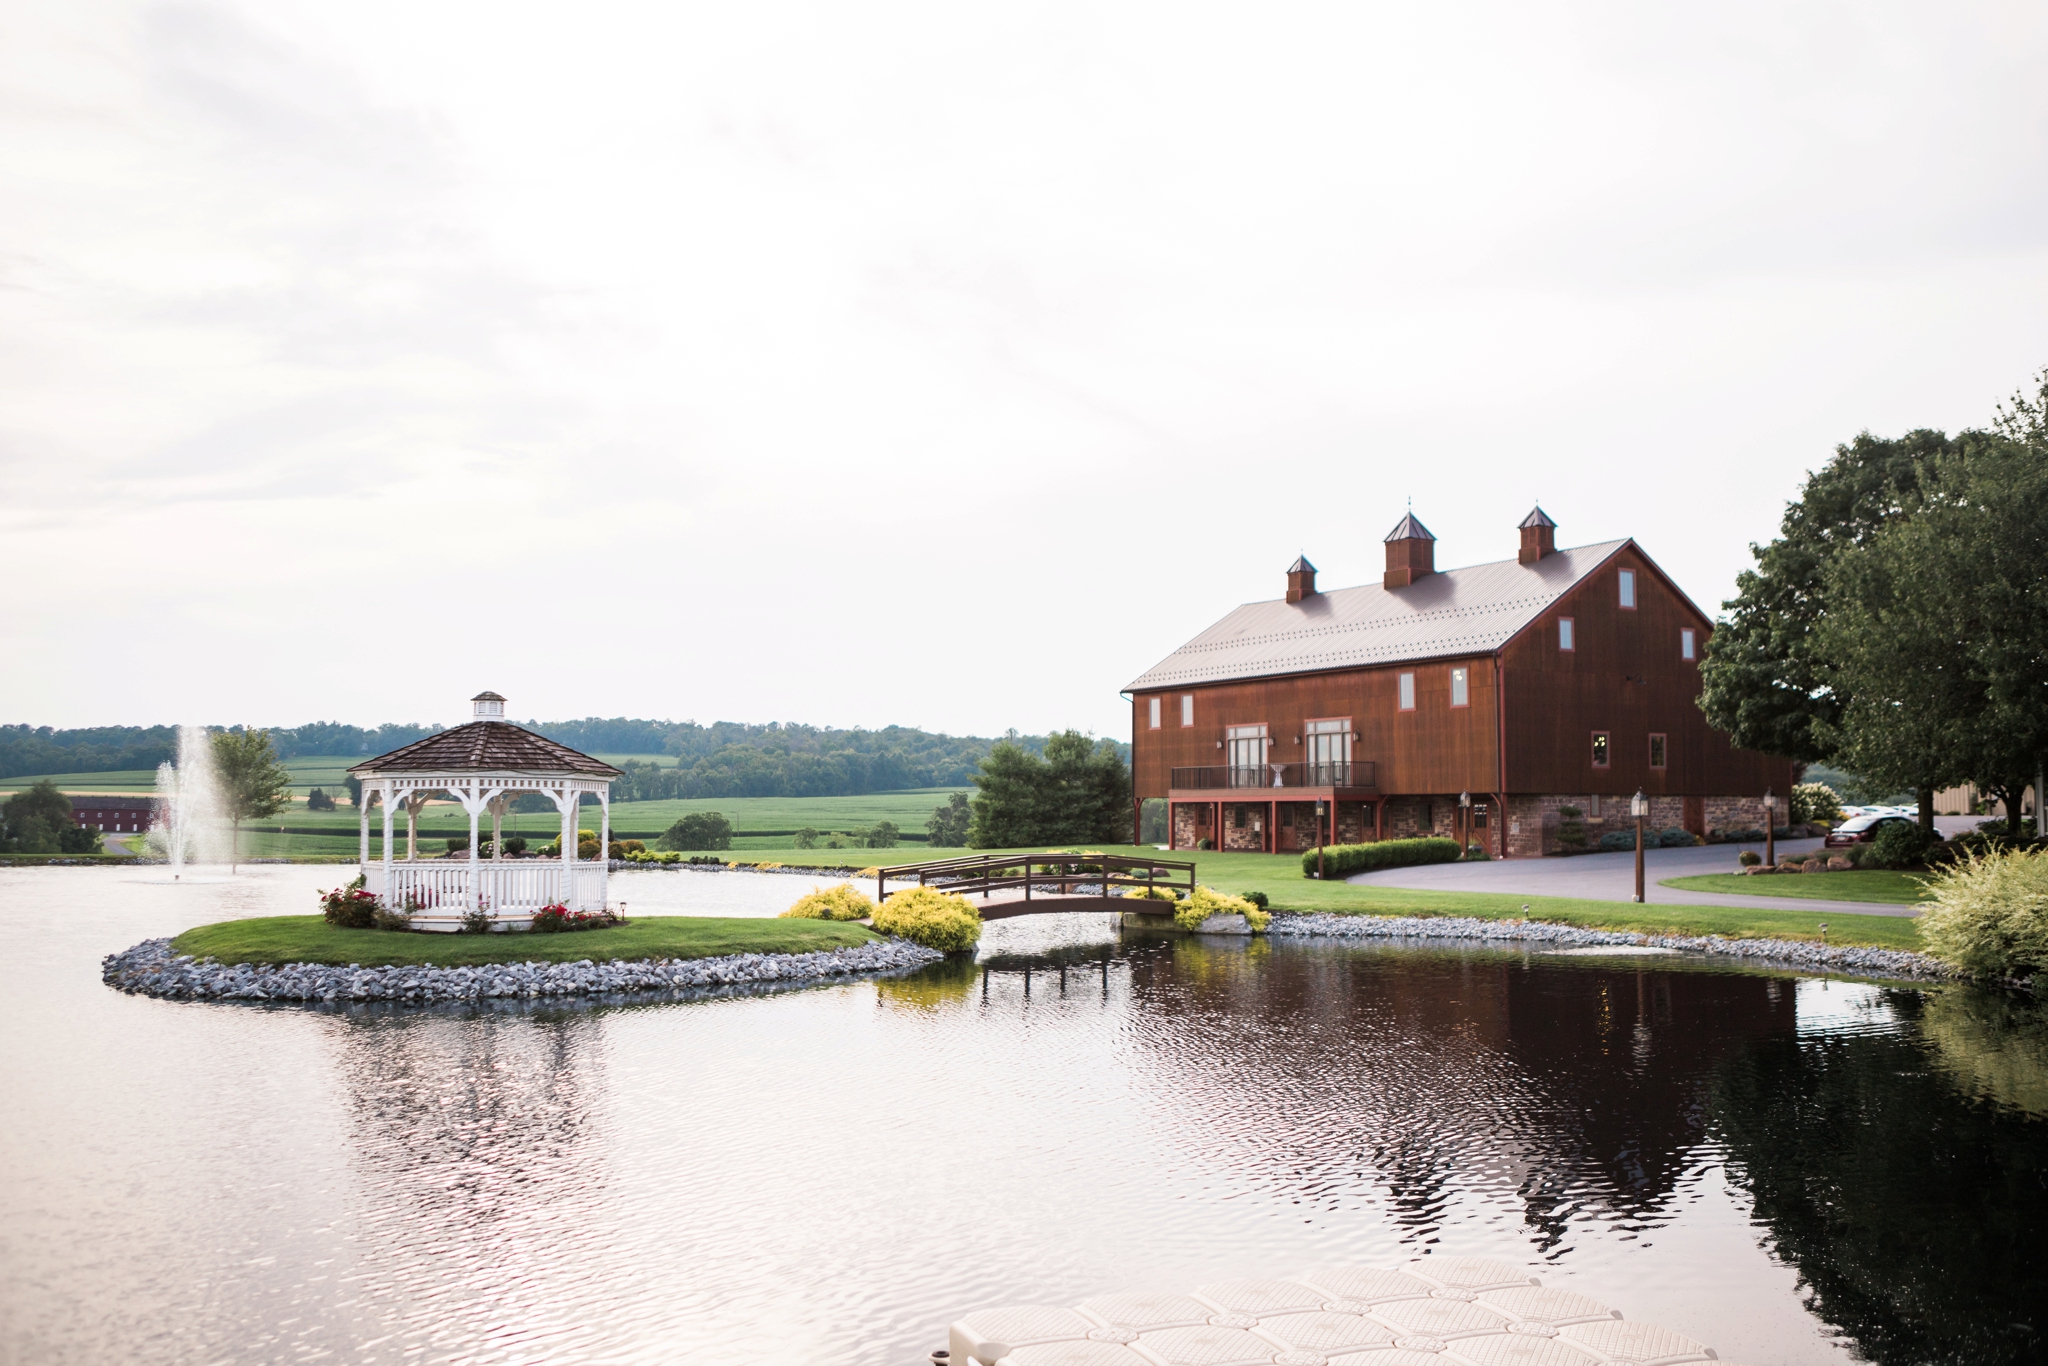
1275 782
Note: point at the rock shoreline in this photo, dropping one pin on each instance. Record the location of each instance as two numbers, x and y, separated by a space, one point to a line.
152 969
1793 952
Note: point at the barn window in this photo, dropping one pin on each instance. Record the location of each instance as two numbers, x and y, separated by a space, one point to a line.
1628 588
1657 750
1687 643
1564 634
1479 815
1599 749
1460 695
1187 709
1407 692
1155 713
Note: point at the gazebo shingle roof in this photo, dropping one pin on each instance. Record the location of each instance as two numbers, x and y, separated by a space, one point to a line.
486 746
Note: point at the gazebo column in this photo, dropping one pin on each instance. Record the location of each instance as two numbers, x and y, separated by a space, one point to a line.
384 796
604 849
363 819
567 802
413 805
472 805
499 804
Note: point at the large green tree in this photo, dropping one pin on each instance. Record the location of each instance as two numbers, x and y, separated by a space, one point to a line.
1079 793
254 785
1938 631
1765 680
38 820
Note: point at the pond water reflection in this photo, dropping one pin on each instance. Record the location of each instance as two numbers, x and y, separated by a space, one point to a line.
1793 1170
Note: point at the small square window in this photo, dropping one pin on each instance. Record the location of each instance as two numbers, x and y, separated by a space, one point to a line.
1564 634
1407 692
1479 815
1155 713
1187 709
1688 643
1628 588
1599 749
1460 694
1656 751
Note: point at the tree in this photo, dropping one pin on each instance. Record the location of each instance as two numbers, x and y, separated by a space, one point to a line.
318 800
37 821
881 835
947 829
1939 633
1764 678
253 784
1079 793
698 830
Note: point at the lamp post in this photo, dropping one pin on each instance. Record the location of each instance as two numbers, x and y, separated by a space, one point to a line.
1770 829
1640 806
1319 839
1464 822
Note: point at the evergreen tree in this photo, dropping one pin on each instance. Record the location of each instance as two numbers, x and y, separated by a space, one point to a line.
1079 793
947 829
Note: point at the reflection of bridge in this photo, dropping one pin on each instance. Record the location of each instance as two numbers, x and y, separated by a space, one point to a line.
1027 884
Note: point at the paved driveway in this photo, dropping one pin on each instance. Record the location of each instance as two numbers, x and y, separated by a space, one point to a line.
1612 877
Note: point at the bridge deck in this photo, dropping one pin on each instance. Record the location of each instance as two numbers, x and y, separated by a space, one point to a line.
1026 884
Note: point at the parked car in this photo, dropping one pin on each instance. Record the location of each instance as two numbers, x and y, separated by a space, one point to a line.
1862 829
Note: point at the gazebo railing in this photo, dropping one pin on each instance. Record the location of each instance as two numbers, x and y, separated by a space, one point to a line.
509 891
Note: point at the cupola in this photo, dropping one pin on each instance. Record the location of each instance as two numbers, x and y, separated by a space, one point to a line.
487 706
1411 553
1301 579
1539 536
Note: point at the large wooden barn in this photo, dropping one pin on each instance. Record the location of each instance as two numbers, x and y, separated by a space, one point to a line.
1473 701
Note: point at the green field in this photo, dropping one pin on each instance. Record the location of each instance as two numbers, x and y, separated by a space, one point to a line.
310 939
1862 884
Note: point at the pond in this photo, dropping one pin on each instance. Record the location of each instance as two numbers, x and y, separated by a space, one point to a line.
1793 1170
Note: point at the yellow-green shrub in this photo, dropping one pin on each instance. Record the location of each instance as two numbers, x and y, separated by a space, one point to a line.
927 916
843 902
1990 914
1207 901
1151 894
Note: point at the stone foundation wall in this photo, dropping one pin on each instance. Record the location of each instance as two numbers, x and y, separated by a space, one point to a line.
1533 819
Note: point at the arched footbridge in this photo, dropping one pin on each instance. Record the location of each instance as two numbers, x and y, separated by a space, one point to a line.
1004 885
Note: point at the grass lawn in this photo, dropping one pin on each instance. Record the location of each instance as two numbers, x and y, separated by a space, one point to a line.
1860 884
1279 877
310 939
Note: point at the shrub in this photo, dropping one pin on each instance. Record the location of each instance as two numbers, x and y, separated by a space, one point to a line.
586 849
843 902
1900 844
1259 899
1676 837
475 921
1205 844
1816 804
1193 913
559 919
1151 894
515 844
927 916
457 843
1738 836
1571 827
387 919
806 838
1749 858
350 907
1990 914
1342 860
1615 840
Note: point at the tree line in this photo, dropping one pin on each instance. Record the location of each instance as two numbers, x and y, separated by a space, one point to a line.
1898 627
725 759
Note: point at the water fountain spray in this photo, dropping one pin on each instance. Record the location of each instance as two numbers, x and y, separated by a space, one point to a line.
190 820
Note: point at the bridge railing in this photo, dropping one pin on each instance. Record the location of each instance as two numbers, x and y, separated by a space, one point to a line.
1055 874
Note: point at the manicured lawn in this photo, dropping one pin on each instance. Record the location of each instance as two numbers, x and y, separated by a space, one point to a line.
1279 877
310 939
1858 884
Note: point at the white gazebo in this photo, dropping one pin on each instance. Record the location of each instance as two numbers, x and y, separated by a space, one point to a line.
485 765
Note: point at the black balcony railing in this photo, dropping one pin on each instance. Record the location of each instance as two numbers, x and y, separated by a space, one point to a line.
1215 777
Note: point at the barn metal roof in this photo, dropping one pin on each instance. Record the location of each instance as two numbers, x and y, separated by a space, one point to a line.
1454 612
486 747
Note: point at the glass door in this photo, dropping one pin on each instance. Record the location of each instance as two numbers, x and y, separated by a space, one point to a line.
1329 753
1245 751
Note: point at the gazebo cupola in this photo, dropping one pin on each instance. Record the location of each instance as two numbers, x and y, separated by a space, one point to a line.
485 765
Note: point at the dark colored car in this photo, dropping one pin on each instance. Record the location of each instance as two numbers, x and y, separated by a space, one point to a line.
1860 830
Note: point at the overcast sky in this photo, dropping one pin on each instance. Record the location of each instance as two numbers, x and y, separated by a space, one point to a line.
944 365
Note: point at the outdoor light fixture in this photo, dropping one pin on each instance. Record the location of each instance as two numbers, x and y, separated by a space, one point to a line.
1640 806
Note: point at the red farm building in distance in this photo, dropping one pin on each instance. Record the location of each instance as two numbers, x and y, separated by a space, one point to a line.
1554 678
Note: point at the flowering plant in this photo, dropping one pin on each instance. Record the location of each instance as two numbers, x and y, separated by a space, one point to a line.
350 907
559 919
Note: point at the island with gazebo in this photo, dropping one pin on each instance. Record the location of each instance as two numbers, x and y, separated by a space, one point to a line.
485 766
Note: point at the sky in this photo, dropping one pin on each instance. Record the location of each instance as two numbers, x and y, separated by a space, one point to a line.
935 364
